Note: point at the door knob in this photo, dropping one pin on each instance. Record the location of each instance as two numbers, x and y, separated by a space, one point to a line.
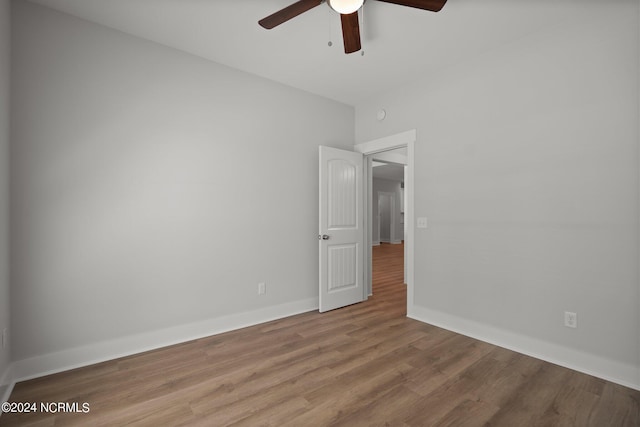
323 237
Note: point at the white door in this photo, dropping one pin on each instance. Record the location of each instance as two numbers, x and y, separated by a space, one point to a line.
341 231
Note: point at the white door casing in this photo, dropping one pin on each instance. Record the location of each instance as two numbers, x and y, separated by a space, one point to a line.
341 228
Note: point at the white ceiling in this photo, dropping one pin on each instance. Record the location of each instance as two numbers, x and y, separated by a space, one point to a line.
400 43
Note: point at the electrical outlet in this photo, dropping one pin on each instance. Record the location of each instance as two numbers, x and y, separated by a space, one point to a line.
262 288
570 319
5 338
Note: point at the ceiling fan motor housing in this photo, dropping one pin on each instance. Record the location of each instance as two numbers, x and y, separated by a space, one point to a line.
345 7
348 10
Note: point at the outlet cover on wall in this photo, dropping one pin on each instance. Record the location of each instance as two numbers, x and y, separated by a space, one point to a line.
570 319
5 338
262 288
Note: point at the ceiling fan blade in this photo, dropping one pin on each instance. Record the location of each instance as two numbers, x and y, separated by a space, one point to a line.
288 12
351 32
432 5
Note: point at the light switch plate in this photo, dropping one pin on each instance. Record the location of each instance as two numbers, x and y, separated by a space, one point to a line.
422 222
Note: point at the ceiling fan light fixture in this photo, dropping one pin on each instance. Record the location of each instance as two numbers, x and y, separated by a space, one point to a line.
345 7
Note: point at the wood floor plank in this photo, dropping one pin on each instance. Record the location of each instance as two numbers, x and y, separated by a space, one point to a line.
389 409
363 365
531 401
468 413
343 397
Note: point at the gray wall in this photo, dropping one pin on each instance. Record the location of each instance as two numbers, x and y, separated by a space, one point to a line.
151 188
389 186
526 165
5 29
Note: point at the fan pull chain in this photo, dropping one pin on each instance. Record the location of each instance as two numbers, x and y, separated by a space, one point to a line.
329 16
362 32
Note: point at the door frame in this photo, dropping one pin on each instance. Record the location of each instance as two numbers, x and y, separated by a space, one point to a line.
404 139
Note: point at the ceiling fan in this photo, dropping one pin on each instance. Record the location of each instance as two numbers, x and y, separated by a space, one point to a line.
348 10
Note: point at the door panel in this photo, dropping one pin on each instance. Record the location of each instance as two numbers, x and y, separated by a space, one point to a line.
341 234
342 209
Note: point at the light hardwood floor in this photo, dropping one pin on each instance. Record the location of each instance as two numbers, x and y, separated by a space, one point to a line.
366 364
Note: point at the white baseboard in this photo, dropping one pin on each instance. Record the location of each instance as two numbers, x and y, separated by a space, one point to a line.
6 385
392 242
376 243
620 373
51 363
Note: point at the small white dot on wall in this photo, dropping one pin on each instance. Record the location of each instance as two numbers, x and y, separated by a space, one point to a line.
381 115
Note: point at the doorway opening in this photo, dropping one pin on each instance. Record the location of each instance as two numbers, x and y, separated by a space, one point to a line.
388 268
394 150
